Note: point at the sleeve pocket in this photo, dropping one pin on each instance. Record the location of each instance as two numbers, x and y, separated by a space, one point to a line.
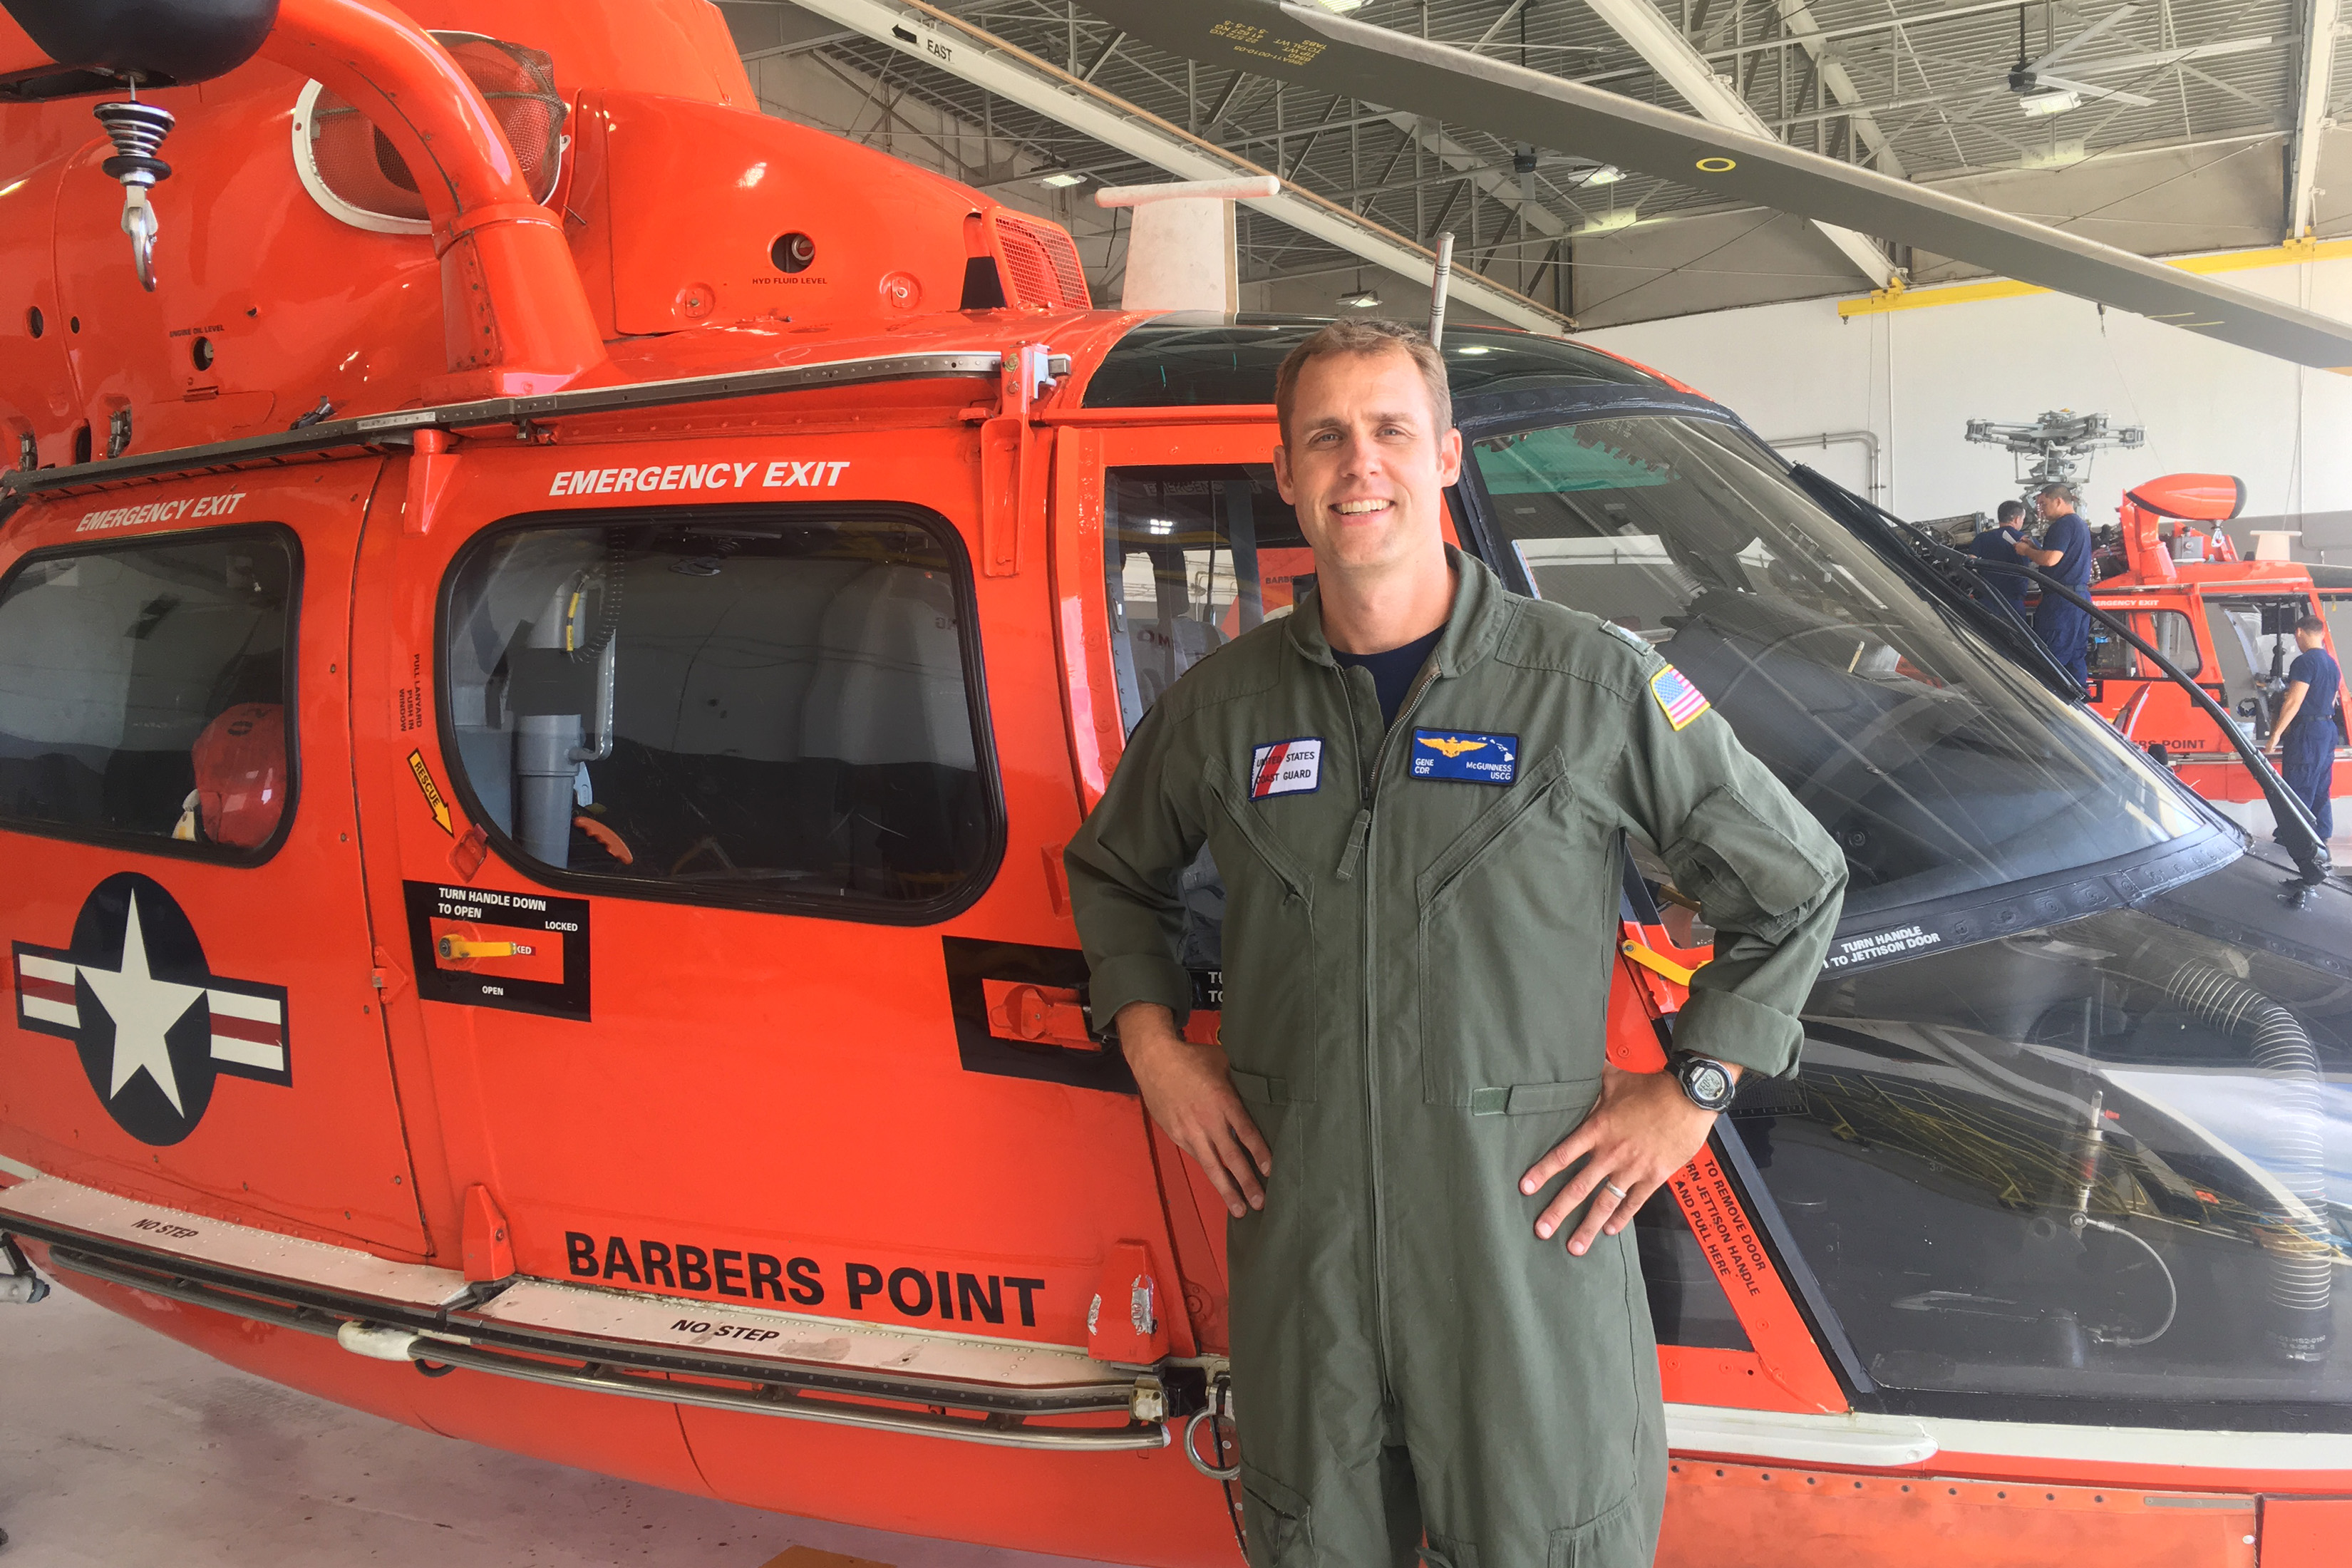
1747 873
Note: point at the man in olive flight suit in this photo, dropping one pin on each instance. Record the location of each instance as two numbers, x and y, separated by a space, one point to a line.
1422 903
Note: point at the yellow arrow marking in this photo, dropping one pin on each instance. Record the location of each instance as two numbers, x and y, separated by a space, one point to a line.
439 806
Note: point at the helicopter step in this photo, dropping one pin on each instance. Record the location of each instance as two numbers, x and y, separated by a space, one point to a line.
632 1343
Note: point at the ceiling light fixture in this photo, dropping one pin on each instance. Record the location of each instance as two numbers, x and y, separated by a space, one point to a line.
1361 299
1341 7
1606 174
2050 100
1062 178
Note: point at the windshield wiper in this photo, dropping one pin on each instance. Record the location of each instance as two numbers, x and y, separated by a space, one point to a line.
2299 830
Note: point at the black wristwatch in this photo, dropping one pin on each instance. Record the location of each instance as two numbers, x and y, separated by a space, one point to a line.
1705 1080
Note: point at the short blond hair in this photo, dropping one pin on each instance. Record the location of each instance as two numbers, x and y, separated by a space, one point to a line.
1365 338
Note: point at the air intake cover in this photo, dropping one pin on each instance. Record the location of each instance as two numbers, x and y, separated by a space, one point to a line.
353 171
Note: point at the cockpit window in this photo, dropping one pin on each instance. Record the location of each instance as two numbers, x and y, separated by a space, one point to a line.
766 706
2109 1160
1179 362
1940 766
146 691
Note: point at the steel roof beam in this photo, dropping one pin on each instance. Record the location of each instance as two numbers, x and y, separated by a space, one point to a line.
2316 75
1680 65
1798 18
950 44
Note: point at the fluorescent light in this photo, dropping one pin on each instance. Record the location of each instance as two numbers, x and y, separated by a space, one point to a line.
1476 349
1341 7
1062 178
1361 299
1606 174
2050 100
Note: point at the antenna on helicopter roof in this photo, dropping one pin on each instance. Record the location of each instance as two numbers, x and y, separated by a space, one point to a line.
1437 289
1180 250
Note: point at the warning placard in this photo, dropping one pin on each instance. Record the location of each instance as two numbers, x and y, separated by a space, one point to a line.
495 947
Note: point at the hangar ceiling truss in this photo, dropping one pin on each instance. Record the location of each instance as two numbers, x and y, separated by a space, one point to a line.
1919 89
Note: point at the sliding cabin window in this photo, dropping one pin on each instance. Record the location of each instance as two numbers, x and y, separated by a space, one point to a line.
147 692
774 706
2169 631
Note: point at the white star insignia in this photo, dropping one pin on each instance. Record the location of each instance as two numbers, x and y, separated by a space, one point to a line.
145 1010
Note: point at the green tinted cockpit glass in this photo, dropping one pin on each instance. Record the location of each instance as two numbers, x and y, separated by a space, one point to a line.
1937 764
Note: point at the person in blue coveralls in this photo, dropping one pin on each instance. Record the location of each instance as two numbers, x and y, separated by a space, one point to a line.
2306 731
1999 543
2064 626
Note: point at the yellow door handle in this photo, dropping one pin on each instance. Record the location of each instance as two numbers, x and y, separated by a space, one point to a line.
459 947
1662 965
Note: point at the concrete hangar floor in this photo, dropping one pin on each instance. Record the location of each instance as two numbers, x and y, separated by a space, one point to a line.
120 1449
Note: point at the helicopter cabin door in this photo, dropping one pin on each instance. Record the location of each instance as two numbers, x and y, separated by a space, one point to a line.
717 800
193 1019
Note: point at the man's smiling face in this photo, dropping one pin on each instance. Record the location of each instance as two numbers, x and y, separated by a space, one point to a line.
1366 461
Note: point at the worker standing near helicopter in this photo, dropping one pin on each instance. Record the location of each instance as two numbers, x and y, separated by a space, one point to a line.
1422 866
2064 626
2306 733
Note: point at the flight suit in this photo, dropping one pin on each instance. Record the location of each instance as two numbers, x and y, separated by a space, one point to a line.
1418 933
2307 751
2064 627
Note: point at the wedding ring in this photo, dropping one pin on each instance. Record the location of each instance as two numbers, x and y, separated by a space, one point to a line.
1616 1190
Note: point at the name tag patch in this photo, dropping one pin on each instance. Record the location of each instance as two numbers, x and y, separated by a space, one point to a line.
1286 767
1470 756
1680 700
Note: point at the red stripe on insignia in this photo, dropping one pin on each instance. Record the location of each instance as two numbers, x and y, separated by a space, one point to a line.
47 990
1266 775
253 1029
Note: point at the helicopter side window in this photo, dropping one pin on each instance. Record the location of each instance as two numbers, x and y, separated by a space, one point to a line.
1193 558
2169 631
146 691
765 706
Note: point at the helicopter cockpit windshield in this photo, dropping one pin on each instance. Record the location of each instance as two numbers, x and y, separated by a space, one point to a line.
1939 766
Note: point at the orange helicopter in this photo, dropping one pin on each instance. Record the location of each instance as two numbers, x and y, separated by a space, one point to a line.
553 628
2226 621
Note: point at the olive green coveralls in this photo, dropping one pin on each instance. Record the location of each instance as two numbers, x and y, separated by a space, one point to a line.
1416 975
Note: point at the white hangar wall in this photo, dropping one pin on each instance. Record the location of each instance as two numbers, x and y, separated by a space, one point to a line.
1910 380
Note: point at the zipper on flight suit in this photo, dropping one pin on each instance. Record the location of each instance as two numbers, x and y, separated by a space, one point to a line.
1359 850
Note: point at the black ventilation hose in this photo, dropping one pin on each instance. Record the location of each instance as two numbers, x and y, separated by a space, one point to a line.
2302 1255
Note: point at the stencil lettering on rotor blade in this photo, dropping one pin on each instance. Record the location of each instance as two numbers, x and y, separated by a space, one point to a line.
489 947
927 1294
155 1027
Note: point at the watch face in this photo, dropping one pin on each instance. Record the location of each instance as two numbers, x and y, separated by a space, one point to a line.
1709 1084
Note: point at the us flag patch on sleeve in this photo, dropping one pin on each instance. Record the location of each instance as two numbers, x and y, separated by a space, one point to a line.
1286 767
1680 700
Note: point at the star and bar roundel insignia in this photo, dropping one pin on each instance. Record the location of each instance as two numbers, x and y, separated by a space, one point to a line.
154 1026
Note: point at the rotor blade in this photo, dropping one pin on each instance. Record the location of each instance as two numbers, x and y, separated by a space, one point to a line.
1307 44
2084 37
2044 78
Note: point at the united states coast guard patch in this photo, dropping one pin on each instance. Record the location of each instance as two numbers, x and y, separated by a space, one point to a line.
1681 700
1469 755
1286 767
